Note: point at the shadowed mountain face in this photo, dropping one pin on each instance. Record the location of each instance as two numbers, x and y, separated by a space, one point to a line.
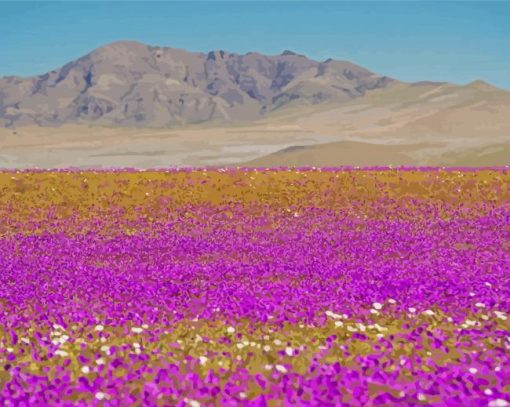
128 83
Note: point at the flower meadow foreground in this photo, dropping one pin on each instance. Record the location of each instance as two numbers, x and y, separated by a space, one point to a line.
255 287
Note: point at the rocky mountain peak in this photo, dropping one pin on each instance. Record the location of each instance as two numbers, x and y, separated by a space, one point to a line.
130 83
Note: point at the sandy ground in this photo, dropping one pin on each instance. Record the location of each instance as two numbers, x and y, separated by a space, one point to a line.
414 125
83 146
367 154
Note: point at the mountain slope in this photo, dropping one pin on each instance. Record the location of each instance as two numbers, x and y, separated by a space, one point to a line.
414 124
416 111
129 83
351 153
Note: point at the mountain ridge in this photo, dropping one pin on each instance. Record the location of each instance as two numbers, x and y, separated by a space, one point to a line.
131 83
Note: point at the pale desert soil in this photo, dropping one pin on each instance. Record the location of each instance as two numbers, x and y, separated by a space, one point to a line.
413 125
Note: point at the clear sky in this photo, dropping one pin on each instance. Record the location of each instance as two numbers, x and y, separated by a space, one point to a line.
443 41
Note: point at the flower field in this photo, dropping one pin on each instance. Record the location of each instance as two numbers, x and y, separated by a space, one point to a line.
255 287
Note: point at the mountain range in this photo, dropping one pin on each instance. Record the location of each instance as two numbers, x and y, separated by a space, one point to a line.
129 83
130 104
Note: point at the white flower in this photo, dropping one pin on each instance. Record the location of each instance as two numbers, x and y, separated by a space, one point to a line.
500 315
331 314
100 395
412 310
99 328
289 351
281 368
392 301
428 312
100 361
85 369
488 392
267 348
480 305
137 330
339 323
277 342
231 329
498 403
203 360
268 367
61 353
421 397
473 370
377 305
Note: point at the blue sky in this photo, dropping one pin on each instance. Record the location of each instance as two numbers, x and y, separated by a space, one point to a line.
444 41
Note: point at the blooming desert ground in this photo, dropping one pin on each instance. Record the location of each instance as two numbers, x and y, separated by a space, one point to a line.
259 287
